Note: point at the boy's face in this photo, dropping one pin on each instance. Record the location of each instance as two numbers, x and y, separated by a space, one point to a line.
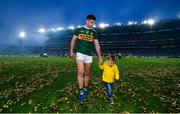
110 62
90 23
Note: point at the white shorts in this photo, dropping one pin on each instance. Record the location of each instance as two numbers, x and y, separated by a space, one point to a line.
85 58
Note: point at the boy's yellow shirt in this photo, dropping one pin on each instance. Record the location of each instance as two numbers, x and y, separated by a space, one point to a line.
109 73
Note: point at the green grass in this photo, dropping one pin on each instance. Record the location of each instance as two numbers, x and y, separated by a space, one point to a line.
34 84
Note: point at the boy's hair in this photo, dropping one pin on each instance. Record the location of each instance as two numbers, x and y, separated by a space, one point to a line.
91 17
112 58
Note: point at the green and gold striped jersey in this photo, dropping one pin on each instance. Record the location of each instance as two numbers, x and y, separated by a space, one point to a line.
85 40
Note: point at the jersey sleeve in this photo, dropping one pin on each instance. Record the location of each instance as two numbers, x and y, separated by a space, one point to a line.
76 32
96 35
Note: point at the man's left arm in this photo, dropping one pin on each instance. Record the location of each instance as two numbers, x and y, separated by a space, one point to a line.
98 50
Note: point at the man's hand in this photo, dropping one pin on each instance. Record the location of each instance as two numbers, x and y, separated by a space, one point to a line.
72 54
100 60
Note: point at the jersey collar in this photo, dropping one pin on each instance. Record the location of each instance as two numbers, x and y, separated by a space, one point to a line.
86 27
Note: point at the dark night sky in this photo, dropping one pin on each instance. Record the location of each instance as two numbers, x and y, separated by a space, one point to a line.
28 15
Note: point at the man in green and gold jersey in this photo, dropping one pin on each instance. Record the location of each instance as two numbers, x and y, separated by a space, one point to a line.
83 40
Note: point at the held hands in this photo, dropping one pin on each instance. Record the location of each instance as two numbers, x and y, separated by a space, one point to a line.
100 60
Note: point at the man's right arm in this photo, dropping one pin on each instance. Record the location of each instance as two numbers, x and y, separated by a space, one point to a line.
72 46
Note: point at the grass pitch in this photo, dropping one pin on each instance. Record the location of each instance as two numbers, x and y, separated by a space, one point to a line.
34 84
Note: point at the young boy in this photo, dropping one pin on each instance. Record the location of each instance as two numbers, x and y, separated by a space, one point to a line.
110 73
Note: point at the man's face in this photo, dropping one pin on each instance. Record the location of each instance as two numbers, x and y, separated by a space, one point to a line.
90 22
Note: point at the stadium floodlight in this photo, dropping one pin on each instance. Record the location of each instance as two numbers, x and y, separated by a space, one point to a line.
71 27
151 22
60 28
103 25
94 26
135 22
132 23
41 30
22 35
144 22
179 15
118 24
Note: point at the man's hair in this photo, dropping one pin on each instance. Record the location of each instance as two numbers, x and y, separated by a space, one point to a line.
112 58
91 17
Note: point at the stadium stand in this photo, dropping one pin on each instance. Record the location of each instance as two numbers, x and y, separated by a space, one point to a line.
136 40
163 39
